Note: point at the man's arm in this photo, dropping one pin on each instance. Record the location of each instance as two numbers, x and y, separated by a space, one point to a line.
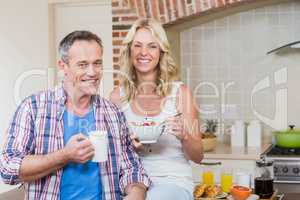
78 149
17 162
19 143
34 167
133 179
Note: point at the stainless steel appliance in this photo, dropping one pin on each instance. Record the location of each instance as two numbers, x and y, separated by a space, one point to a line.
286 168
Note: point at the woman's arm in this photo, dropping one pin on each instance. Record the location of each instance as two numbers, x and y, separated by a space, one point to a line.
191 135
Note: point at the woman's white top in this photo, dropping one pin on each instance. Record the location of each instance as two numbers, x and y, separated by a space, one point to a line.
164 161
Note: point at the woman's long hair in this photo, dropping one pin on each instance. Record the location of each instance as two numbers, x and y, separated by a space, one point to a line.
167 69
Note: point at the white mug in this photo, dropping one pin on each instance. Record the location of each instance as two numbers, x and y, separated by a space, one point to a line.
99 140
243 179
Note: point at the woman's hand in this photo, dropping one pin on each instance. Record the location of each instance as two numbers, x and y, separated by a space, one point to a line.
175 126
187 105
135 191
136 143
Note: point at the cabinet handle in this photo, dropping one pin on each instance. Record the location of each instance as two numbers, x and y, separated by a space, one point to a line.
211 163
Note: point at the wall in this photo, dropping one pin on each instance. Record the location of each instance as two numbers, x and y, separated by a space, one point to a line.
233 49
173 14
23 47
184 17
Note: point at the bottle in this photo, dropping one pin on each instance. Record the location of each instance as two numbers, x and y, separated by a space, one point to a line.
238 131
254 131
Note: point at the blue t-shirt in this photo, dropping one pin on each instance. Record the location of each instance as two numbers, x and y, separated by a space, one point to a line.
80 181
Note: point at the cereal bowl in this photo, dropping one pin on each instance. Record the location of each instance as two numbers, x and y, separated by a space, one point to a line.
147 132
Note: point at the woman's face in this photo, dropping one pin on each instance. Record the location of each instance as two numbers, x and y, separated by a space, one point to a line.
145 52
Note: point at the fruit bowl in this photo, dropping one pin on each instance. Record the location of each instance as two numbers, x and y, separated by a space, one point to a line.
209 138
209 144
146 132
240 192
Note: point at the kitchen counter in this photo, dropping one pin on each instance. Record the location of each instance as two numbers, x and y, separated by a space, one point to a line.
225 151
291 196
14 194
239 159
18 194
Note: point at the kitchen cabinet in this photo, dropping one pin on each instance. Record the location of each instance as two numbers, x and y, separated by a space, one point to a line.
239 159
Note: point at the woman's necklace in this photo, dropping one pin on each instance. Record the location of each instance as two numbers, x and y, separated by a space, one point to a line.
147 105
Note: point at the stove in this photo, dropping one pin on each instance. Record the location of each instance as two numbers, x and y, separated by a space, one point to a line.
286 167
276 151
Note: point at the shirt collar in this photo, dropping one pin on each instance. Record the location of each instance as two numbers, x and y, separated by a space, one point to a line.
61 97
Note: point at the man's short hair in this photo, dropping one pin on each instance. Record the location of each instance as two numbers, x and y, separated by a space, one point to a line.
69 40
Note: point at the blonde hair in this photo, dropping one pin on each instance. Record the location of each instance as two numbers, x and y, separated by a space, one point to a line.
167 71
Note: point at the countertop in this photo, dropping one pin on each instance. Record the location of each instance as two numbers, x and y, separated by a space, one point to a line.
14 194
225 151
291 196
18 194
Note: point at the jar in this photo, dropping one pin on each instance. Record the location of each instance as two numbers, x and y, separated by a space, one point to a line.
263 181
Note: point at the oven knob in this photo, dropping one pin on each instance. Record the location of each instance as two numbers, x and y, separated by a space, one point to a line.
285 170
275 170
296 170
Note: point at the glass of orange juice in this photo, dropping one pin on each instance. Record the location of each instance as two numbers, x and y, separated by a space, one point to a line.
208 177
226 180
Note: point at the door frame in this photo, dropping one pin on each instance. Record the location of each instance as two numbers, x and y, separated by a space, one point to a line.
52 5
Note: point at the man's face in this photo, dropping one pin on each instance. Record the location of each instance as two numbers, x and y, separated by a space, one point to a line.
84 68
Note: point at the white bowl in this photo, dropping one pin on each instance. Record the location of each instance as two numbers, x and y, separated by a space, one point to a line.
146 134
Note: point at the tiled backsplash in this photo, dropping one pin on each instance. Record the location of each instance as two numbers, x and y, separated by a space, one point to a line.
232 51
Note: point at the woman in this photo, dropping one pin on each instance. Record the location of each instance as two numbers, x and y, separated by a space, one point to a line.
150 91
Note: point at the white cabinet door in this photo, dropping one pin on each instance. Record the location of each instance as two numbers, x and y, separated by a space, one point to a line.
95 17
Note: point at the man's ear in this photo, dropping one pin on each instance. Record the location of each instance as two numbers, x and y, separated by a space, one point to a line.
61 64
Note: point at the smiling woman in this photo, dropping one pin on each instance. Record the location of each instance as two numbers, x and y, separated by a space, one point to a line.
151 92
142 49
144 57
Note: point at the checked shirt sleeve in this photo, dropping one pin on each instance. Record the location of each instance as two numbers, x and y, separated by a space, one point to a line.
132 170
19 142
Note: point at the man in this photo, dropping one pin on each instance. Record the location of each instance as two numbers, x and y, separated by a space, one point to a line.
47 147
